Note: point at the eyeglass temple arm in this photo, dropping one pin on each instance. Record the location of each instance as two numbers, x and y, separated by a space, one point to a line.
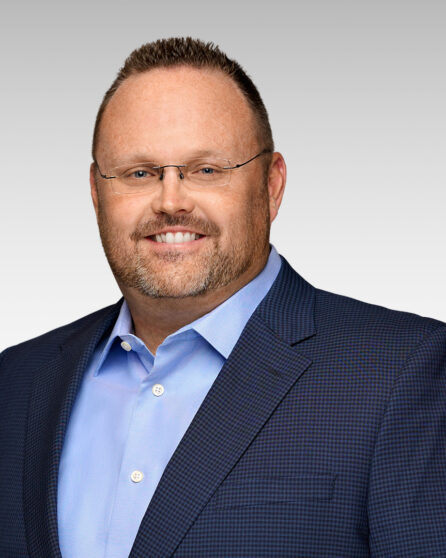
252 159
103 175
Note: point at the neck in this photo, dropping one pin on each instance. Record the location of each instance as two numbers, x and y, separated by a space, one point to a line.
154 319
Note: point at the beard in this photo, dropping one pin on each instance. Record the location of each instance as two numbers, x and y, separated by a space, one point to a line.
174 274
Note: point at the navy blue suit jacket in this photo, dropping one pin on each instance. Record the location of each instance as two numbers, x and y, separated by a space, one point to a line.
323 436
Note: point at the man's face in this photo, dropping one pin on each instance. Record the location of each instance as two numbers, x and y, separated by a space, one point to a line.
169 116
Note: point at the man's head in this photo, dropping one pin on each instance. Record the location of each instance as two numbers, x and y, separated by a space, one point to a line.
173 101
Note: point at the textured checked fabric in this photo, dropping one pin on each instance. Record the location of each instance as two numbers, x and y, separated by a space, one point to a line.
323 436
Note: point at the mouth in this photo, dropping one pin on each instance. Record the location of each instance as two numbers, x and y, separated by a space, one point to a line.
175 237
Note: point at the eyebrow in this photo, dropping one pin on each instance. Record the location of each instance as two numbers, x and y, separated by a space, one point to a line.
144 157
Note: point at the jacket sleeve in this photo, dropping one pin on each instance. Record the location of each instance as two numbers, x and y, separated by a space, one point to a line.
407 488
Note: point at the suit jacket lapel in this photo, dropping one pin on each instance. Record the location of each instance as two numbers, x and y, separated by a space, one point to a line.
261 369
54 389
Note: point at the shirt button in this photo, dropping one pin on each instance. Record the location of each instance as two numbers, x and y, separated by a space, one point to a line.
157 390
126 346
137 476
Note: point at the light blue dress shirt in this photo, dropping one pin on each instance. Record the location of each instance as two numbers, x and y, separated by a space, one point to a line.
130 414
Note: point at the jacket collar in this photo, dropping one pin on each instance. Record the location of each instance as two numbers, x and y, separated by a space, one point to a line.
288 308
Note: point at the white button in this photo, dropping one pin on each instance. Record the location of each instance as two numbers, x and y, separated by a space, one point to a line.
126 346
137 476
157 390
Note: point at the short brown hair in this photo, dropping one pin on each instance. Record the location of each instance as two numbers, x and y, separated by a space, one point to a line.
185 51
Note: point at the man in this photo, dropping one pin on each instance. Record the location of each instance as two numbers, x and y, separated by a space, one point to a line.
224 407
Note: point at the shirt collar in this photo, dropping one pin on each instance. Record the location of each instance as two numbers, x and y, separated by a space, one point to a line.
222 326
123 327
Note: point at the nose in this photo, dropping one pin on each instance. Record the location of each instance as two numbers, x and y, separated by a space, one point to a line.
172 196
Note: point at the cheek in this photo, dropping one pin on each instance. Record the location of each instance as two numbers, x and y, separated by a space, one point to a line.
226 217
225 206
121 213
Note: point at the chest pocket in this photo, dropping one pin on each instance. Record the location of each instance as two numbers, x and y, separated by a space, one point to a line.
256 491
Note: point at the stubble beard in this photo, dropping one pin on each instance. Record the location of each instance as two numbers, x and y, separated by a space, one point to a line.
177 275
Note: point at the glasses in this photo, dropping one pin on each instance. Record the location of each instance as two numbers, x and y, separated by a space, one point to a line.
135 178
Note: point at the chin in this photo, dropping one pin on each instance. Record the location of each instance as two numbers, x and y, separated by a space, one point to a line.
157 291
171 285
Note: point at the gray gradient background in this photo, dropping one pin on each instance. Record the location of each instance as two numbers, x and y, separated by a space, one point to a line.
356 94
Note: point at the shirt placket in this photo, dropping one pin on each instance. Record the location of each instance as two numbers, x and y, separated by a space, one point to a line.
144 451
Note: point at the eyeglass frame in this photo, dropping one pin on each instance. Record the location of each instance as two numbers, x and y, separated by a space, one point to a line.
181 175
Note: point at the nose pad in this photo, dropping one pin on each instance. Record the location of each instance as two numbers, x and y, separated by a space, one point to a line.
181 175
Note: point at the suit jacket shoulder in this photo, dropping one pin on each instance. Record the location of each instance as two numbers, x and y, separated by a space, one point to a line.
364 323
47 346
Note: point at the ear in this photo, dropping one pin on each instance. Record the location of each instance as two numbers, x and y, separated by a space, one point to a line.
93 187
276 184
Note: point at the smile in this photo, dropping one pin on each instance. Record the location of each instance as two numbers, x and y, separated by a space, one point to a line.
175 237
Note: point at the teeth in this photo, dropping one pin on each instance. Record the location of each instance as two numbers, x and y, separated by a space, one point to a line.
177 237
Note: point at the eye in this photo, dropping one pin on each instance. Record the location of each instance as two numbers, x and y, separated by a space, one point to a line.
140 174
209 172
206 169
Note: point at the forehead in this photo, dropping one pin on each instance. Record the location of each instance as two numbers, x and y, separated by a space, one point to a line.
172 112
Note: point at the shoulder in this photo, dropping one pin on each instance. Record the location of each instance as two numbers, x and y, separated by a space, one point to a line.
371 325
47 346
338 316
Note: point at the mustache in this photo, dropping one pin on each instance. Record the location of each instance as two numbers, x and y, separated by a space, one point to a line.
151 226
